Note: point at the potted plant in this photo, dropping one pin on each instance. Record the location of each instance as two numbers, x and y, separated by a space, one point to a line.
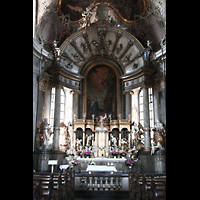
114 154
78 153
73 163
123 154
129 163
87 154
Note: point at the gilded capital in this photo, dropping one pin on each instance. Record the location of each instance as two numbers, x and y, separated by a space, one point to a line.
75 91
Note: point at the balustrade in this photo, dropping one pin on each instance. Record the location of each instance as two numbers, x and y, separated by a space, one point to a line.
102 181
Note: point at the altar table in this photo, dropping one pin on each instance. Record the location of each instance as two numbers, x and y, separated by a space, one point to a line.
101 168
118 163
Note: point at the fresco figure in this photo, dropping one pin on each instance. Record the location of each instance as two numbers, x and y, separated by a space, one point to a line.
88 107
95 106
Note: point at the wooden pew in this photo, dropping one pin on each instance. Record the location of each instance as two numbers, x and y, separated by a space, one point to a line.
146 187
54 186
38 191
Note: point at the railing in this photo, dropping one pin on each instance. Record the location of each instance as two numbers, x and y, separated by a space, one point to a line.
101 181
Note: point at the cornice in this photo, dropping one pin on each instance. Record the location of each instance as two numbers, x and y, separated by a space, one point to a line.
137 73
39 51
65 73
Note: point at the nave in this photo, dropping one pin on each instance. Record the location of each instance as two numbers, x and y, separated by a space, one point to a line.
61 186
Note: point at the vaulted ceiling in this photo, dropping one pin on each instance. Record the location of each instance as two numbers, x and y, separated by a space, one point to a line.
59 19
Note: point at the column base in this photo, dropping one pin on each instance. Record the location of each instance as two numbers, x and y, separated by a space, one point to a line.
147 149
56 148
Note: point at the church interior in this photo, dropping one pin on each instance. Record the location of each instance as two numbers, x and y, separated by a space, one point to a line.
99 99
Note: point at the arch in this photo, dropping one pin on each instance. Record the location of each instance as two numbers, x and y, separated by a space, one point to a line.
95 60
88 131
116 47
79 133
124 133
115 132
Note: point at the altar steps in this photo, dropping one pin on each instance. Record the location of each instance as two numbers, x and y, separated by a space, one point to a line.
101 195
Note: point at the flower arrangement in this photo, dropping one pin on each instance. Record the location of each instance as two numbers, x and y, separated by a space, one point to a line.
123 154
114 153
74 163
78 153
129 163
87 153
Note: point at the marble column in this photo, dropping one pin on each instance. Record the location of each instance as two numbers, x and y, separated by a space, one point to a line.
57 119
83 140
107 139
147 139
75 138
120 137
129 140
128 104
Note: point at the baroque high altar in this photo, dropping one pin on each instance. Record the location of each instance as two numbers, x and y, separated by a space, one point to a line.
105 68
102 140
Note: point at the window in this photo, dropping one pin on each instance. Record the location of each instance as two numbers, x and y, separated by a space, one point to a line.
141 108
62 106
52 107
151 114
65 106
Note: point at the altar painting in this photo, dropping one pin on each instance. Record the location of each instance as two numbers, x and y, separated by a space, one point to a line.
101 92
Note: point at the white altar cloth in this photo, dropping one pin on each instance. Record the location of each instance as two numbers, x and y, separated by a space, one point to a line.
101 168
103 159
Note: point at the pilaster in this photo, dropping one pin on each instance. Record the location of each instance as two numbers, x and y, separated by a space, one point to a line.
75 111
127 104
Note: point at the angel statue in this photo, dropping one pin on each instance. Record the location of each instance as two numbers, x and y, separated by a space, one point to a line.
86 14
139 130
158 137
89 138
102 119
78 144
44 137
114 140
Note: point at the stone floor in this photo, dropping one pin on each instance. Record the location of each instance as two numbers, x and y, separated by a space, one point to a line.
99 195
